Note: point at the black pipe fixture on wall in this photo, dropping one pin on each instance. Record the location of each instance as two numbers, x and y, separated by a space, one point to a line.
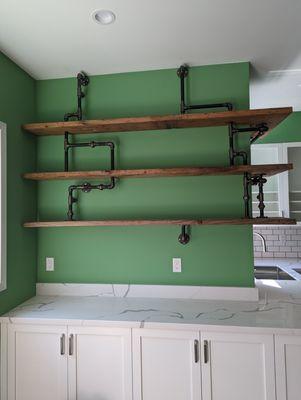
234 153
83 80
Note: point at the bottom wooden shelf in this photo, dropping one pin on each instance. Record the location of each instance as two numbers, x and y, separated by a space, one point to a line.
180 222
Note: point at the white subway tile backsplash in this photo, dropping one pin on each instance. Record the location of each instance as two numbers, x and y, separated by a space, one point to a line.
277 243
273 249
272 237
291 255
278 232
280 242
263 231
267 255
258 249
296 249
285 248
296 237
291 243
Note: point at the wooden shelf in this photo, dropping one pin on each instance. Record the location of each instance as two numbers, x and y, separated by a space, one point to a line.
180 222
270 116
267 169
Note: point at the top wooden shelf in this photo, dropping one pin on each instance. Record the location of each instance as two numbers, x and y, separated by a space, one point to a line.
270 116
266 169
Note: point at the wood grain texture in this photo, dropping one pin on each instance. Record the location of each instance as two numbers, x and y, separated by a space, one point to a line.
267 169
271 116
234 221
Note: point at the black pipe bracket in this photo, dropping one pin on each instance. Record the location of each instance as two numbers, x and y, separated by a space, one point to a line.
184 237
92 144
182 73
259 130
85 188
82 80
254 180
259 180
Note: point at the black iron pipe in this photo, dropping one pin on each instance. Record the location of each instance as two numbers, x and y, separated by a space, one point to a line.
85 188
184 237
92 144
246 196
229 106
182 73
233 153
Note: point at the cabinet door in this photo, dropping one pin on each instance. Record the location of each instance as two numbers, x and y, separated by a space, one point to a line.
237 366
288 367
37 362
166 365
99 363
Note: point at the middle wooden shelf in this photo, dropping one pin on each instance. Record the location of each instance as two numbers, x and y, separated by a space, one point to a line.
266 169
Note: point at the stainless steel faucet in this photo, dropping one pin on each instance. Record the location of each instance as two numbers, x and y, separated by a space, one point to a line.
264 245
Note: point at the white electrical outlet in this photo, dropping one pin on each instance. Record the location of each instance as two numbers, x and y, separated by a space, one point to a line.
49 264
177 265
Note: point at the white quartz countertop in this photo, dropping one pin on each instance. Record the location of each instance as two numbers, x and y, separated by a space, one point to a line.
278 308
276 314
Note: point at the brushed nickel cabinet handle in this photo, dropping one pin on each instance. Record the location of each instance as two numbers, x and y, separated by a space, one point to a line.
71 344
196 351
62 344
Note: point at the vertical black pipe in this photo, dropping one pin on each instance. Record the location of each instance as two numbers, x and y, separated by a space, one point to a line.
260 197
231 144
182 80
71 200
112 150
66 152
246 197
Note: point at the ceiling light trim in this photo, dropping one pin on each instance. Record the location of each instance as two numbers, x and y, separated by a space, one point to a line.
103 17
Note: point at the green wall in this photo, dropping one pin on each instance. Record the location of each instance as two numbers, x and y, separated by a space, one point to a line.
17 105
288 131
220 255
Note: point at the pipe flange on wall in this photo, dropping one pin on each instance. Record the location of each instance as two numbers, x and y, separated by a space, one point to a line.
184 237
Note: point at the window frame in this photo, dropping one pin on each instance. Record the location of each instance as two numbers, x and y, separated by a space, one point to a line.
283 178
3 217
278 148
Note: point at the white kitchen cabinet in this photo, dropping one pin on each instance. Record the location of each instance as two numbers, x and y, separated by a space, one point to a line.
166 365
99 363
79 363
89 363
37 362
237 366
288 367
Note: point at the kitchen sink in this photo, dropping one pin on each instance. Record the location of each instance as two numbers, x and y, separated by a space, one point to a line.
297 270
271 272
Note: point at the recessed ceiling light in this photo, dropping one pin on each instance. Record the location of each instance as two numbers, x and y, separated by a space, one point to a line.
104 17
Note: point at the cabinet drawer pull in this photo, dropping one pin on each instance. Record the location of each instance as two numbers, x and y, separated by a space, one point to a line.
71 344
62 344
196 351
206 351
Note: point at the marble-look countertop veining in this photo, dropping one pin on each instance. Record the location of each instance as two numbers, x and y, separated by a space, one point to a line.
279 308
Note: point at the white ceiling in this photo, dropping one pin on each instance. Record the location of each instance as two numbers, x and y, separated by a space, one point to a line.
276 89
57 38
